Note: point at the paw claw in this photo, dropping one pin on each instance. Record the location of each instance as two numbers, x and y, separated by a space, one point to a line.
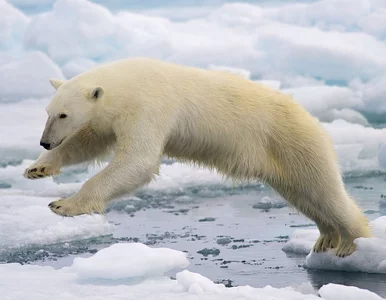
39 172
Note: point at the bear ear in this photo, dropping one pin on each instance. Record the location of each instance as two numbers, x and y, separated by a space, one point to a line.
97 93
56 83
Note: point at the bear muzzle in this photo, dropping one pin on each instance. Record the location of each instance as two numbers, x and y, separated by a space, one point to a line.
45 145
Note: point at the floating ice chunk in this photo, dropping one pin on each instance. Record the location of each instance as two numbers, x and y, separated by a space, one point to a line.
202 287
44 187
243 73
329 103
318 99
301 241
19 282
375 22
297 81
77 66
378 227
333 291
197 284
382 156
238 14
127 260
248 39
373 94
179 175
268 203
325 14
369 257
141 35
87 27
346 114
26 220
21 127
12 26
24 81
273 84
330 55
25 4
340 15
185 12
357 146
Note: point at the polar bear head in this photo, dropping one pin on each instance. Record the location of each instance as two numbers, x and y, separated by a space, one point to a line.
71 108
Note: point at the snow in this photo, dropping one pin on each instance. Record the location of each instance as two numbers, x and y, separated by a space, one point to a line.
333 55
369 257
373 93
338 292
329 102
382 156
357 146
20 79
122 271
241 72
88 28
12 25
301 241
342 15
21 126
27 220
297 44
77 66
128 260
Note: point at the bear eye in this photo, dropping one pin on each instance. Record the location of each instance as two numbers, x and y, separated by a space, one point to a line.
62 116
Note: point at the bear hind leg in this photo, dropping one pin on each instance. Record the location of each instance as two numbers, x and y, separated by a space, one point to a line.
330 236
352 227
343 227
339 221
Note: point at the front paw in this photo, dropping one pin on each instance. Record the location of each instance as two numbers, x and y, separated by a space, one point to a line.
71 208
39 171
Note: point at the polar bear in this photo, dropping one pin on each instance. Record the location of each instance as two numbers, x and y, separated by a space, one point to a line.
141 109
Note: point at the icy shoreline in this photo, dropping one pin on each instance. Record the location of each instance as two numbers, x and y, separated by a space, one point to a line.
136 271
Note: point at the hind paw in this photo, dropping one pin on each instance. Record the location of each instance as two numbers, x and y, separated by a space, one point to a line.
345 249
326 242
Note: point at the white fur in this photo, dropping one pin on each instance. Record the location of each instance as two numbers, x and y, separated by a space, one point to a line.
246 131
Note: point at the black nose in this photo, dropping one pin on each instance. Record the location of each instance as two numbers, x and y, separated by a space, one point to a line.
45 145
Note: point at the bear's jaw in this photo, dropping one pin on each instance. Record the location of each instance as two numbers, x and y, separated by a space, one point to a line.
57 144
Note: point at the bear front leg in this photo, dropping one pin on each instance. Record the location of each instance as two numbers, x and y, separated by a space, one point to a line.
84 146
48 164
134 165
118 178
